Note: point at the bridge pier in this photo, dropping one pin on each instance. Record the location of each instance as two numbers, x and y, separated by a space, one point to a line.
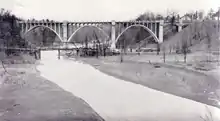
55 27
113 46
59 29
65 33
161 31
155 28
26 27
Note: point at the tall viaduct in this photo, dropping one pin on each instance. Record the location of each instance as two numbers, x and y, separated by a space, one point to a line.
66 30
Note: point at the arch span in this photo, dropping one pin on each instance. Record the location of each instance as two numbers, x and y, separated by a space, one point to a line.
87 26
45 27
138 25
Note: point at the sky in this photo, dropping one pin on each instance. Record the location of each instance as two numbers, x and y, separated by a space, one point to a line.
100 10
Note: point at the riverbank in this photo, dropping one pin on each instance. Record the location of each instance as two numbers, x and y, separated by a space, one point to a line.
26 96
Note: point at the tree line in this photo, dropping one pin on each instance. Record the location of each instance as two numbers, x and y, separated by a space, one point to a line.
174 15
10 35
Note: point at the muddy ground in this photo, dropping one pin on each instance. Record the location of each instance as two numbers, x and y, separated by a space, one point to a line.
26 96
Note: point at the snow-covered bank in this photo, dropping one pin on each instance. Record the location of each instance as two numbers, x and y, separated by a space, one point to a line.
116 99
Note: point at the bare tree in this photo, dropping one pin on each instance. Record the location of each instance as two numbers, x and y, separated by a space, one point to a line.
201 14
208 116
173 20
164 54
158 48
86 46
190 15
185 38
149 16
209 40
9 34
170 47
190 33
2 57
121 53
185 49
211 13
159 17
97 43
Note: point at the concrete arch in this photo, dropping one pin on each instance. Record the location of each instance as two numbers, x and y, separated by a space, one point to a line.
45 27
84 27
138 25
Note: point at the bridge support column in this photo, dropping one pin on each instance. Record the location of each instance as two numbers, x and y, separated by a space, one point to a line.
113 46
155 28
26 27
65 32
59 28
161 31
55 26
70 28
22 28
73 27
151 25
31 25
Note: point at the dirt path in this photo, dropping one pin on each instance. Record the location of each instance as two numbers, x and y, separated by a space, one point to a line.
29 97
176 81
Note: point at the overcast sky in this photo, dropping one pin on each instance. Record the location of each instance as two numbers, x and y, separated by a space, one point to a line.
91 10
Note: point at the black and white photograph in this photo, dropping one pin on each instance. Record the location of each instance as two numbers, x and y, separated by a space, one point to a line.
109 60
